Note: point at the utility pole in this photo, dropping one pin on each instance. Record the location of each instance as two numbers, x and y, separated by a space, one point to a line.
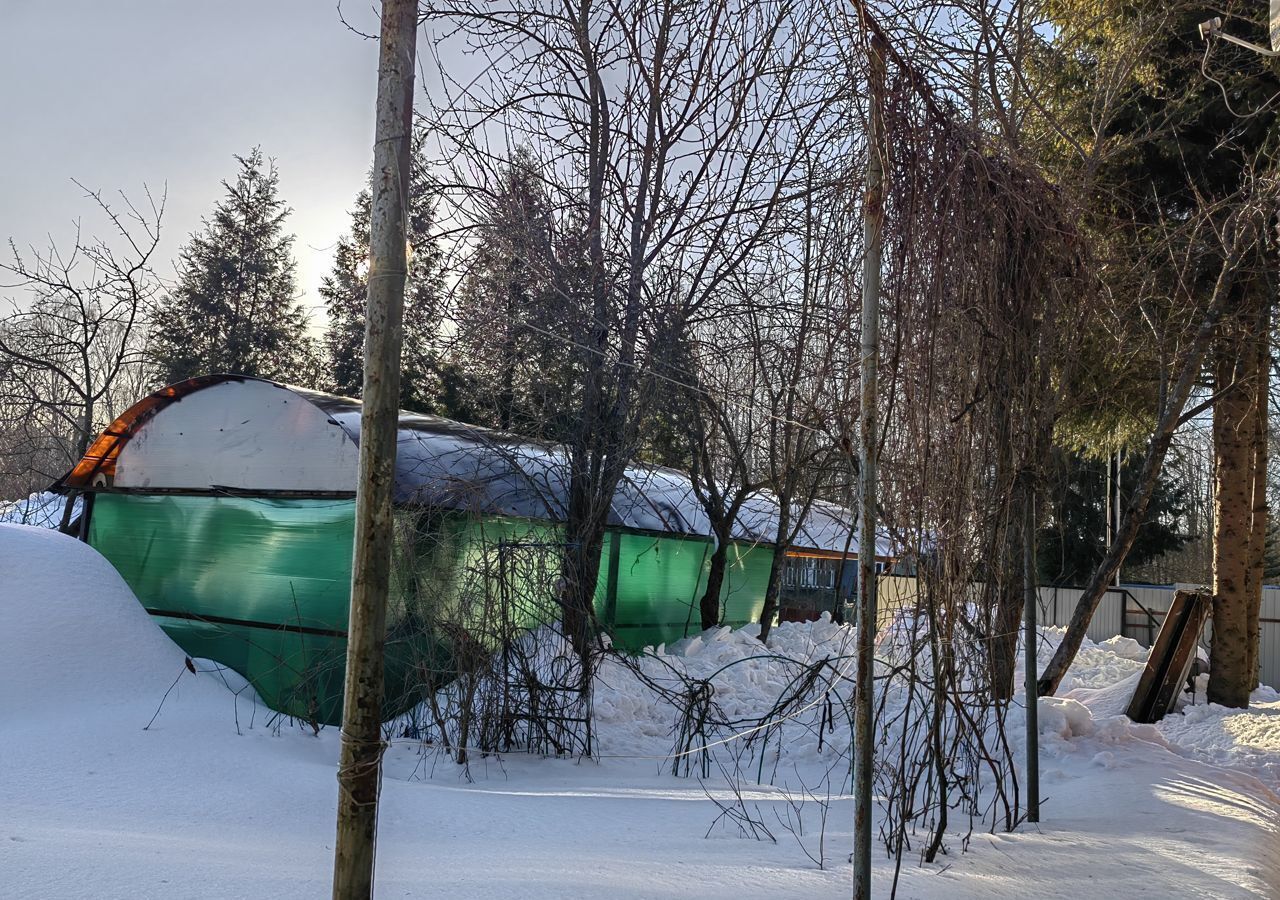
360 765
873 249
1115 510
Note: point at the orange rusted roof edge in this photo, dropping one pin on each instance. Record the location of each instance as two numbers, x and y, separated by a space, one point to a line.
100 458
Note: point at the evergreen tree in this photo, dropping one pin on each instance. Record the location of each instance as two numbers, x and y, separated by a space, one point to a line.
1073 542
516 317
345 292
1189 136
235 307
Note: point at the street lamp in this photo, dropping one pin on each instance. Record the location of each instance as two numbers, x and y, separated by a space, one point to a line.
1211 28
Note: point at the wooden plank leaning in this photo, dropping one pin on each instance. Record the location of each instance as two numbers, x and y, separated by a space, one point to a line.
1171 657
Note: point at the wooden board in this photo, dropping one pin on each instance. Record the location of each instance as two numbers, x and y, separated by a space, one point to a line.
1171 656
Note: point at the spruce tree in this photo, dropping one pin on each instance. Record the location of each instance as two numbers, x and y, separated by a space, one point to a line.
344 291
1071 544
1189 137
515 323
235 307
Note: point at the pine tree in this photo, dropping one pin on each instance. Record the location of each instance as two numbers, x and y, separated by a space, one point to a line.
344 291
235 307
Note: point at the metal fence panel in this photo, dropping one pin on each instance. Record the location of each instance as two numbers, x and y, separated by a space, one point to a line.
1108 618
1269 649
1137 611
1058 603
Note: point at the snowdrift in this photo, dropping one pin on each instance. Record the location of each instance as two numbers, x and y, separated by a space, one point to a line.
71 632
217 800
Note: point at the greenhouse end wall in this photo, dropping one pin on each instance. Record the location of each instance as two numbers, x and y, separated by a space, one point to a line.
224 574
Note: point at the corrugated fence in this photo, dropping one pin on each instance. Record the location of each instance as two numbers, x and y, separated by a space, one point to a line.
1137 611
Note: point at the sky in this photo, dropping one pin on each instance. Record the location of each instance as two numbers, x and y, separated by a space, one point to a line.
161 93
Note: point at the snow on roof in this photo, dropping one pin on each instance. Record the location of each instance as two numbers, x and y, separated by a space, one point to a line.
447 463
223 431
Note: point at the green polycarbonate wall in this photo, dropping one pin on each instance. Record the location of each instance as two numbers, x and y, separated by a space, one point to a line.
262 585
652 600
658 586
660 581
223 573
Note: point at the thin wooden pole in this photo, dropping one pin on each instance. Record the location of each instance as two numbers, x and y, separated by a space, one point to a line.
1114 524
1030 691
873 240
360 766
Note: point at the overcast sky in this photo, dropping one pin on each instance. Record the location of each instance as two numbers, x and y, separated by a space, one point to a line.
124 93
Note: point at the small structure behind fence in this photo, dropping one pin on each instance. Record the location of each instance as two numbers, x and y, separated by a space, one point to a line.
1137 611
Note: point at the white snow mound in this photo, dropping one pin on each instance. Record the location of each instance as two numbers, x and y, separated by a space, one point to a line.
1126 648
71 630
1065 717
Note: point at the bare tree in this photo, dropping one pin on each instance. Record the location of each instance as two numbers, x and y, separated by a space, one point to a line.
672 131
793 326
73 354
717 377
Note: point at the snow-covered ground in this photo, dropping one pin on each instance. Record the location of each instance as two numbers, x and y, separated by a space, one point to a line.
209 802
43 509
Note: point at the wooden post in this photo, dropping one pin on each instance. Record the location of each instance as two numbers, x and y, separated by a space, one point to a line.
360 766
1032 667
873 247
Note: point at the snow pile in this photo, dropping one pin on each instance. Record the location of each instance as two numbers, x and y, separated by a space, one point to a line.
209 803
43 510
73 635
746 679
1096 666
1064 717
1244 739
1101 682
1125 648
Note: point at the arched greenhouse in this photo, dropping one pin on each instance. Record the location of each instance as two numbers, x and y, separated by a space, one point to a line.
227 504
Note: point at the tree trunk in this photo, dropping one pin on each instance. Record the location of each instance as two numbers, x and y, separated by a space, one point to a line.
772 590
1261 515
580 570
709 605
1004 577
1234 414
1010 597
